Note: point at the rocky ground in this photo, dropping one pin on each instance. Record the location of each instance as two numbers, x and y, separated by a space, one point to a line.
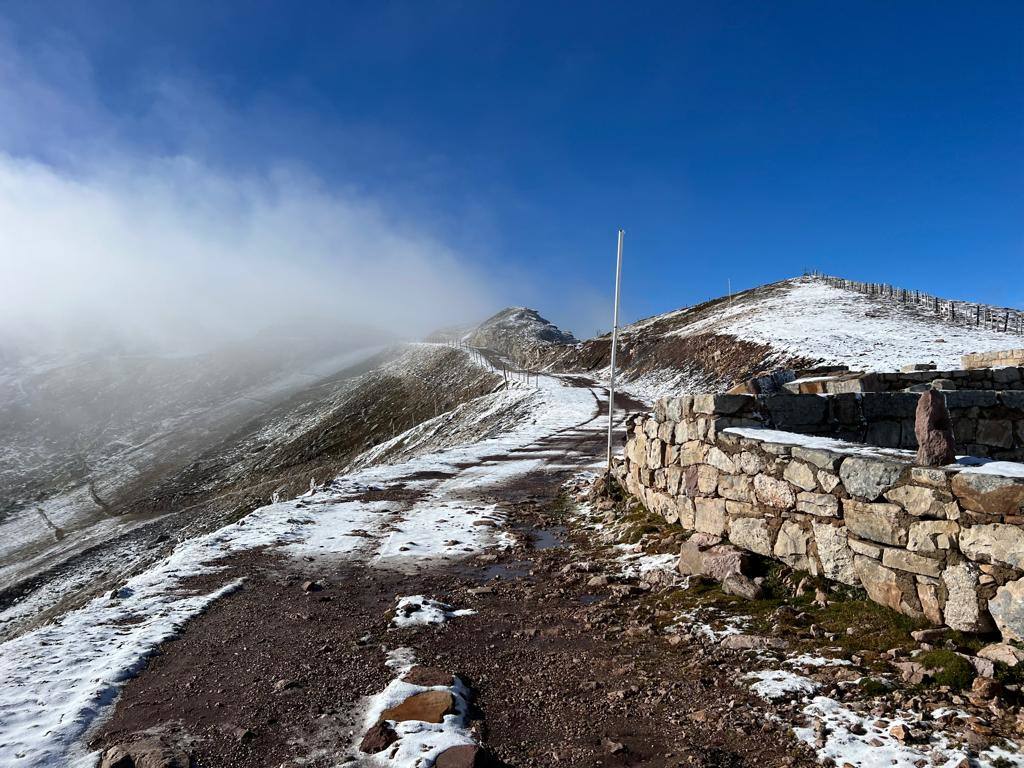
583 648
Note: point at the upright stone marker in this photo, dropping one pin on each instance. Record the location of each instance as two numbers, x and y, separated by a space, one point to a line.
934 431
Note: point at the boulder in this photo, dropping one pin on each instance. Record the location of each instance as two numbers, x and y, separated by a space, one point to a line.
1002 653
735 488
934 431
869 478
1007 609
997 543
739 585
378 738
461 756
145 753
723 561
427 707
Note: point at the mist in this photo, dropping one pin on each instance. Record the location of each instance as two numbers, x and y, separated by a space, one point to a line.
173 255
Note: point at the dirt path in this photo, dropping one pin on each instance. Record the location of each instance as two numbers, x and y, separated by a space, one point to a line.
562 673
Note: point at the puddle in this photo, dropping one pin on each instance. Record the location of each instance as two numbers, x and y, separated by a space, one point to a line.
548 538
518 569
591 599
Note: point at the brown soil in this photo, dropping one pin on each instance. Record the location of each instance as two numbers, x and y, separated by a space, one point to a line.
562 673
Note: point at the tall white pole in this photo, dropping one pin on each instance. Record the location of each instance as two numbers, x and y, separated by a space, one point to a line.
615 344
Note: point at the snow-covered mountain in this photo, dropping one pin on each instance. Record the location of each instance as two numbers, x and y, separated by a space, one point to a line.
797 323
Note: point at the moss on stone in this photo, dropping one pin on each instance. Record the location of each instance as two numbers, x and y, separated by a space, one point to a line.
947 668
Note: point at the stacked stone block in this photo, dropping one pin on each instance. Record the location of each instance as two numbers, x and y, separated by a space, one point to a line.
941 544
987 424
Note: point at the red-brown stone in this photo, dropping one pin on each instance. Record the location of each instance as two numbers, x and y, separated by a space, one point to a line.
934 431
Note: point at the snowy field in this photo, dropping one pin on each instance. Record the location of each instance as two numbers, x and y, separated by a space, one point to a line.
810 318
58 681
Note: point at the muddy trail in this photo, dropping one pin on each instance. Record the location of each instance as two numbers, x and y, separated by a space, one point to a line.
560 672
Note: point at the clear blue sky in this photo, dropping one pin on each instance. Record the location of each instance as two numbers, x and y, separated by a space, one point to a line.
745 140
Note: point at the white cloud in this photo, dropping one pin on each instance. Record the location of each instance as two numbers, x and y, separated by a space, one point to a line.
173 252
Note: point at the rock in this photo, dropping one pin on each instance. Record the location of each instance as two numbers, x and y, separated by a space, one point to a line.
923 502
461 756
286 685
884 523
963 610
690 562
704 540
932 594
886 586
869 478
912 672
613 747
598 581
117 757
723 561
718 459
792 547
985 689
997 543
429 676
932 535
801 475
1002 653
146 753
710 516
739 585
991 494
427 707
934 431
378 738
1007 609
774 492
902 560
311 586
834 552
751 533
820 504
751 642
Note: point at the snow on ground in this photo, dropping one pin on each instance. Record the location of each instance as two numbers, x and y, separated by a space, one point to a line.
417 610
57 681
970 464
419 743
865 742
806 660
811 318
774 684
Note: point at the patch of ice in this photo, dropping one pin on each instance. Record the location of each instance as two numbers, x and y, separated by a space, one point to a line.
775 683
806 660
417 610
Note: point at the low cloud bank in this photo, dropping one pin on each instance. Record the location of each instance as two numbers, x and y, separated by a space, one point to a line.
171 255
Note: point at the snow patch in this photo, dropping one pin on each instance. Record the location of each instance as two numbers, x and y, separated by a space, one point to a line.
417 610
775 683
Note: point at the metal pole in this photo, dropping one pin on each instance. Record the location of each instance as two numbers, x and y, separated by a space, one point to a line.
615 344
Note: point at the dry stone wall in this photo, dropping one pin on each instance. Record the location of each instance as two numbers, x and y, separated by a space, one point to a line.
944 544
986 424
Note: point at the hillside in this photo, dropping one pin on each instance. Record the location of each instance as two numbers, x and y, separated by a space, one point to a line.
797 323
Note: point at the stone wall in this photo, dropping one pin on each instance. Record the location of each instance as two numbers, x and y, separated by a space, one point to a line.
986 377
985 424
1009 357
943 544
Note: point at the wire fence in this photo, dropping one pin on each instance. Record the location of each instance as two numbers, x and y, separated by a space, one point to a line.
961 313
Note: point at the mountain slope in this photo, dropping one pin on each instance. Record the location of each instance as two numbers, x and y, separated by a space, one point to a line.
797 323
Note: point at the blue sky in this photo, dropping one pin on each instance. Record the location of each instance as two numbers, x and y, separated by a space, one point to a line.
734 140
